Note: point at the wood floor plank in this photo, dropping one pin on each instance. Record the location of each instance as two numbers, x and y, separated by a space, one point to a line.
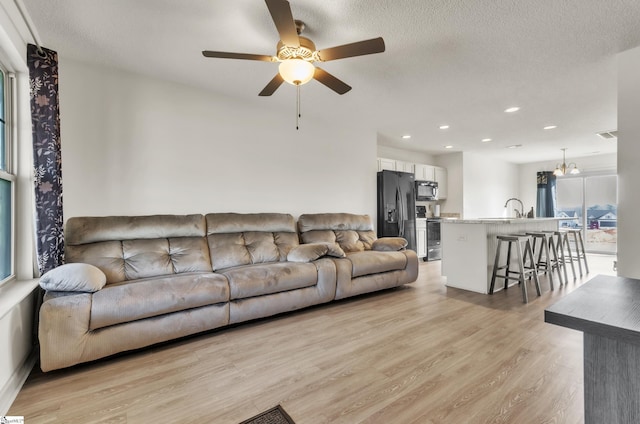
422 353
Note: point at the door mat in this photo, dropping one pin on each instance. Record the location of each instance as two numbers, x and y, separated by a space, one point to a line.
275 415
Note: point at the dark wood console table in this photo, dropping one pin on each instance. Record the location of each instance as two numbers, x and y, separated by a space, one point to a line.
607 310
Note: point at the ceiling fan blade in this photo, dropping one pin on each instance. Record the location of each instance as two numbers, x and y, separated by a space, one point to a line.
360 48
283 18
272 86
330 81
247 56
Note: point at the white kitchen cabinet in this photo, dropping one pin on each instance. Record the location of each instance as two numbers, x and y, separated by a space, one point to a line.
424 172
386 164
403 166
440 176
421 237
395 165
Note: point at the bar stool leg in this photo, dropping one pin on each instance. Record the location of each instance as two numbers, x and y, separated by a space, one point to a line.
584 252
508 271
578 254
495 267
560 251
534 268
525 298
557 266
549 266
565 242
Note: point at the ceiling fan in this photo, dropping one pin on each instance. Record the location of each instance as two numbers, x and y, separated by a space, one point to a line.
297 54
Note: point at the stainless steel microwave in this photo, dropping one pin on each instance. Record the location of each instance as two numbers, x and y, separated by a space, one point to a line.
426 190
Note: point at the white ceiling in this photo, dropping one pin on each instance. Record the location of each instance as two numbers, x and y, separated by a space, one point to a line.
455 62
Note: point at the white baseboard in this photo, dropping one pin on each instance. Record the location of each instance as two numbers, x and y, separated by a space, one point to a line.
12 388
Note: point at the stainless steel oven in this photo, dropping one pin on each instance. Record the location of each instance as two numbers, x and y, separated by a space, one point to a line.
434 251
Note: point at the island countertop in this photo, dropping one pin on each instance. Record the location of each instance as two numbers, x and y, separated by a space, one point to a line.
499 220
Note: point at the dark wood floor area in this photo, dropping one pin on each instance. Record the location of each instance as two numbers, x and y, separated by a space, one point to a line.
421 353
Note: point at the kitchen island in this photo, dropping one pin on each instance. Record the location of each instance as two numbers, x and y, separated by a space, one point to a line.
469 248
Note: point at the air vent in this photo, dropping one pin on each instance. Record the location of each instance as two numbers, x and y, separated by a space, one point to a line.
607 135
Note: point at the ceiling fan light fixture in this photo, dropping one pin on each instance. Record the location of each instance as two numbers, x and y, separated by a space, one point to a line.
296 71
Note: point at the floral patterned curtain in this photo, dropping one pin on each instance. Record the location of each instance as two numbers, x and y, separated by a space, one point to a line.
546 198
45 121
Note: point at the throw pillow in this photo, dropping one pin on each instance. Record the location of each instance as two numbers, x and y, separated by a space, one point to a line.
76 277
335 250
389 244
307 252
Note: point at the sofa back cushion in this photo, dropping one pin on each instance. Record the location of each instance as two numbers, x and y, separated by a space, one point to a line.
354 233
243 239
133 247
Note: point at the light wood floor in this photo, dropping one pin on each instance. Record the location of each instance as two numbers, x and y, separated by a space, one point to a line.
421 353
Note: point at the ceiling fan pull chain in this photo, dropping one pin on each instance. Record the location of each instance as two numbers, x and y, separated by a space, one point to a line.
298 116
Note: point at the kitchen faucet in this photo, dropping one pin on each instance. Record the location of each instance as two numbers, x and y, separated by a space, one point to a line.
520 213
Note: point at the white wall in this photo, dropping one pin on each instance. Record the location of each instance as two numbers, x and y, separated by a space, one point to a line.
628 163
16 298
488 183
134 145
588 165
405 155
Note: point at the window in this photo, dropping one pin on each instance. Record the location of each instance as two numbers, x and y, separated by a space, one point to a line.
592 199
7 181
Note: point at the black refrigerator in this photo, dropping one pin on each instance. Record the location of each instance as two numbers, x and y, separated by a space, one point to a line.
397 206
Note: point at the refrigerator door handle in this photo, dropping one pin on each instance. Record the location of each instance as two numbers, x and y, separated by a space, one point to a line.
400 212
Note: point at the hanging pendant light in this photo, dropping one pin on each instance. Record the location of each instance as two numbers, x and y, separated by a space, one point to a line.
562 169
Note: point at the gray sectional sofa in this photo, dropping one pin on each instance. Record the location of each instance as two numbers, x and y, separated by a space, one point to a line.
130 282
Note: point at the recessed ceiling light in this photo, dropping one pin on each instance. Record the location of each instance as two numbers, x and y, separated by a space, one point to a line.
550 127
486 140
406 137
514 146
512 109
444 127
448 147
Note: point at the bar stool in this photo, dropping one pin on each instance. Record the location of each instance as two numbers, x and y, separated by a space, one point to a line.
551 260
563 247
581 255
523 250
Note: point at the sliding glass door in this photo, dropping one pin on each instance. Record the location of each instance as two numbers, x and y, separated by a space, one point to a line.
590 204
601 222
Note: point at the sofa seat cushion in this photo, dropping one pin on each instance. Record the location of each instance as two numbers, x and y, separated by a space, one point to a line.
372 262
260 279
139 299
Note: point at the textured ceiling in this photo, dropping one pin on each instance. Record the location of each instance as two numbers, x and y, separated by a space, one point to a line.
454 62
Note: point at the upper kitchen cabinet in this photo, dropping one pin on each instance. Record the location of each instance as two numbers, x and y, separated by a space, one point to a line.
424 172
395 165
405 166
386 164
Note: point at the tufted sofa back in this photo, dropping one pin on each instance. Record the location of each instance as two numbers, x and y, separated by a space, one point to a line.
132 247
242 239
354 233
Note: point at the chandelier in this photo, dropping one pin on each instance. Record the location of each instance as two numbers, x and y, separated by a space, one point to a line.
563 169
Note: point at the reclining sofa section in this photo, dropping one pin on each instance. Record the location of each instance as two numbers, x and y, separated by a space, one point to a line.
131 282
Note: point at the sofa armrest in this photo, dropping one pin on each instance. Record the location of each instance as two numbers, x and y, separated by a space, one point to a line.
75 277
389 244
